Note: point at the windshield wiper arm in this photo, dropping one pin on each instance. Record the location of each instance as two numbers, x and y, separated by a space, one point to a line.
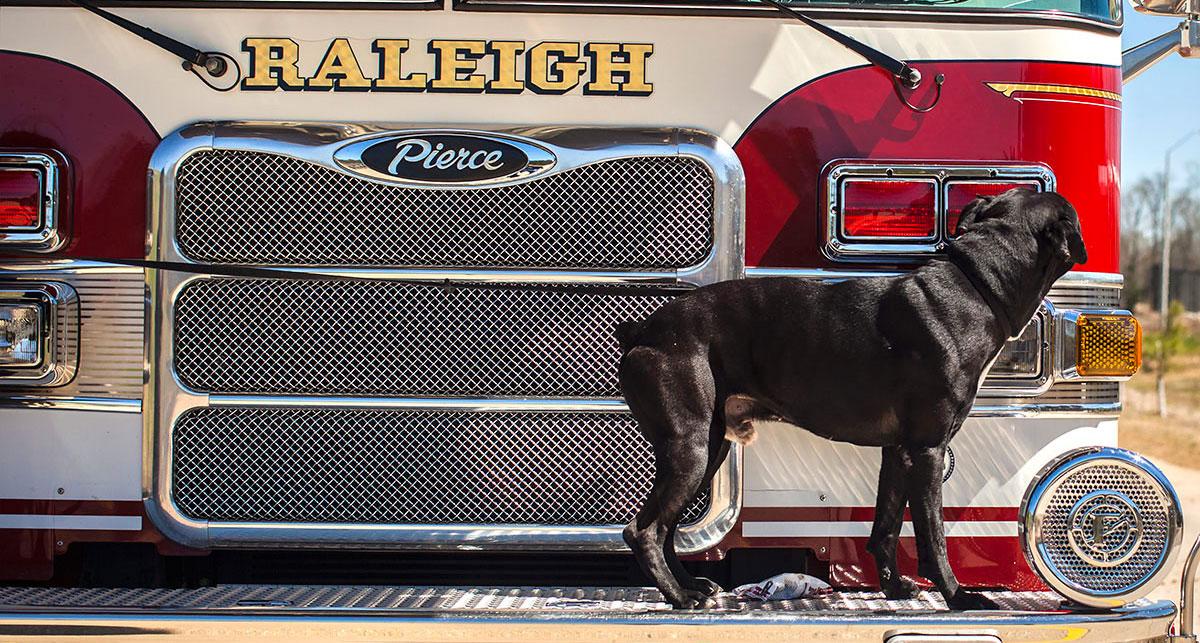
901 71
214 63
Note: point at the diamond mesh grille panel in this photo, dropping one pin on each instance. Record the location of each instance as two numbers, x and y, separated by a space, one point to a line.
1150 504
412 467
257 208
331 337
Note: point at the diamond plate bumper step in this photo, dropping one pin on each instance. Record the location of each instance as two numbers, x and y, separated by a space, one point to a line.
291 612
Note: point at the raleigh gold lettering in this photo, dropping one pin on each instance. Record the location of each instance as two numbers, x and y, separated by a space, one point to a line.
544 76
465 66
273 64
618 68
339 69
391 76
504 70
457 60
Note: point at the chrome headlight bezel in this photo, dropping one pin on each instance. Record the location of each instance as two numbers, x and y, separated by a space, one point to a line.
58 306
1032 522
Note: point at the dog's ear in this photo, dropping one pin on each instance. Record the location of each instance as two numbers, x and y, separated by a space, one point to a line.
971 213
1065 236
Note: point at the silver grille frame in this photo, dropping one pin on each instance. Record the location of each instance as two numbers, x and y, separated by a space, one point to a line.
171 398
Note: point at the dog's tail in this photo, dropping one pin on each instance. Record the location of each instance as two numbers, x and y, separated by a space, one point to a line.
627 333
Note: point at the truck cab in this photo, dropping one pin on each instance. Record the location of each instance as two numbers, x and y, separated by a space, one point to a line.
311 294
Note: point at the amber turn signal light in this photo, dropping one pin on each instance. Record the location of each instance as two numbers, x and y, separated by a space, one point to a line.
1108 345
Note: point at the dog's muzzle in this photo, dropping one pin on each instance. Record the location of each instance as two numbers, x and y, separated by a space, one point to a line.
1101 526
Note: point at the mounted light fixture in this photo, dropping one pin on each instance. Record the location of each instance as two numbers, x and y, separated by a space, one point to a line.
1101 526
39 330
884 211
30 201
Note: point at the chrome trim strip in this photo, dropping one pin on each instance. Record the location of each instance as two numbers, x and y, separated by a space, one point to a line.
1088 279
839 247
417 403
46 237
1038 410
72 403
168 398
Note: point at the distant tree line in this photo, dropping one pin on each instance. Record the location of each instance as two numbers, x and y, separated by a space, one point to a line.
1141 225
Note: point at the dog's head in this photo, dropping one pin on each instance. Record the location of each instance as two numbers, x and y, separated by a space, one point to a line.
1020 242
1045 217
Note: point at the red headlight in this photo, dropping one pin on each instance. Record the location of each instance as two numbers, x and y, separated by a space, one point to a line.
960 193
889 209
20 199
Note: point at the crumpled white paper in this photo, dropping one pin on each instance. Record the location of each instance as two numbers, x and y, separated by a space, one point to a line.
782 587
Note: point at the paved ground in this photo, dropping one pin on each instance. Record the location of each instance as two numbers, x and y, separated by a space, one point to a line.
1187 485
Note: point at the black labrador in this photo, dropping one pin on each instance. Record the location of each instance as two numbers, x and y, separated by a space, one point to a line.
891 362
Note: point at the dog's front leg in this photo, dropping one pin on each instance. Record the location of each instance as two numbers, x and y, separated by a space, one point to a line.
925 469
885 532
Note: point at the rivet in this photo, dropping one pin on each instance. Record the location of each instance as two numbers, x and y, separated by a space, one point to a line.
61 491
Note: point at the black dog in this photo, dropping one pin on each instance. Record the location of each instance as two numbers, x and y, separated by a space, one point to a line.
892 362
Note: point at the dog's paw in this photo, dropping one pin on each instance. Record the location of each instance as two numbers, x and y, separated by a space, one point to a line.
900 590
964 600
704 586
693 600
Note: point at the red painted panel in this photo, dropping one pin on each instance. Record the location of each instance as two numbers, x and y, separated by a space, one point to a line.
855 114
26 554
977 561
107 141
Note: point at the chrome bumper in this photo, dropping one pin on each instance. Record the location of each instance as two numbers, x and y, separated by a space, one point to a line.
563 614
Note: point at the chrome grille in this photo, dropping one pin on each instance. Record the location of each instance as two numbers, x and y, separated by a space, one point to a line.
1074 295
411 467
341 337
1151 505
244 207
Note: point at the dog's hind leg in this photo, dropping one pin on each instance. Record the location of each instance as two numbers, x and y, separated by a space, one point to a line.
672 398
679 470
924 479
718 451
885 532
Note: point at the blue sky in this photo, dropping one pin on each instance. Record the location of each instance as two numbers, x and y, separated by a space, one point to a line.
1159 106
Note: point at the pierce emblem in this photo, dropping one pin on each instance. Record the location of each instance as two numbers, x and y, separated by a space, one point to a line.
1105 528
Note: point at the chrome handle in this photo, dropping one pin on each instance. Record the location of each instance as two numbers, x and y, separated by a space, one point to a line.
1187 626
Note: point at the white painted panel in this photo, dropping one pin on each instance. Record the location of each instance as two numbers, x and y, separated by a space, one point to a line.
91 455
995 459
713 73
86 523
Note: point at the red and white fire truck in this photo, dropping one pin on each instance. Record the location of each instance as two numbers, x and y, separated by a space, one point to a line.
306 309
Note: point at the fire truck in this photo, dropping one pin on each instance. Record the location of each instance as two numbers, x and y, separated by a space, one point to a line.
307 311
